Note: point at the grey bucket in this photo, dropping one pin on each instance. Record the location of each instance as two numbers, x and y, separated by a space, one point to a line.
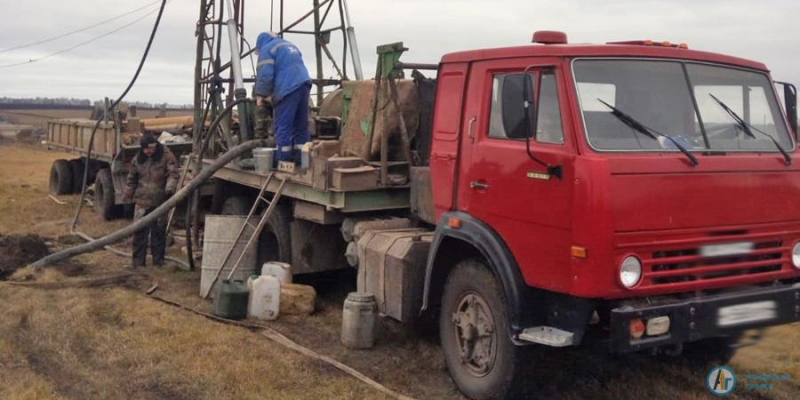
263 157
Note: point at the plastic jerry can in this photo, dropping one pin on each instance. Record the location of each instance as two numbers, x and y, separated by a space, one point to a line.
282 271
230 301
265 297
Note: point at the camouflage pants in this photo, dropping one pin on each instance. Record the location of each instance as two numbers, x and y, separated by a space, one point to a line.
154 235
263 121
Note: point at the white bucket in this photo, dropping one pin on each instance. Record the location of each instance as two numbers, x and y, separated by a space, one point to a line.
282 271
263 157
265 297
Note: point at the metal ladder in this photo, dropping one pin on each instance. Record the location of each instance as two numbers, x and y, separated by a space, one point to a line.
271 204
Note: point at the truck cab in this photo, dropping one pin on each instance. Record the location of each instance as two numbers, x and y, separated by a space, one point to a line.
633 195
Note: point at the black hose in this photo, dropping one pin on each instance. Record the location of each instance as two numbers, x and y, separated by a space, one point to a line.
114 105
187 222
189 201
160 211
215 125
203 147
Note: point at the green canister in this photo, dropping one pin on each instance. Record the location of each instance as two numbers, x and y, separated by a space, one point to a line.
230 301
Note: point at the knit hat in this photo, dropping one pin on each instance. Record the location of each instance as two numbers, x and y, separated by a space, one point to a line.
148 140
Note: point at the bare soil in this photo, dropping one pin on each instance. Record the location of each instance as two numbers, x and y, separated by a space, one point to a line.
17 251
115 342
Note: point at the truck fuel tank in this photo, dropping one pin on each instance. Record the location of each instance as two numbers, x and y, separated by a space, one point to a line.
392 268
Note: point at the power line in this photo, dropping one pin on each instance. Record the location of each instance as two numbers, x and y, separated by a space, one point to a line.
33 60
63 35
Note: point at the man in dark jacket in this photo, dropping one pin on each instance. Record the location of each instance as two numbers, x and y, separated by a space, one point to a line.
282 76
152 179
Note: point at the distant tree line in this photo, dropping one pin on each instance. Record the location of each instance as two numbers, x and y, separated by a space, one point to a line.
10 103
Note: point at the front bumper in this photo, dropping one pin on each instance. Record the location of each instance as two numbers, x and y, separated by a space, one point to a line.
700 318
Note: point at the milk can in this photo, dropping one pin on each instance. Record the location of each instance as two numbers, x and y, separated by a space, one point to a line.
358 320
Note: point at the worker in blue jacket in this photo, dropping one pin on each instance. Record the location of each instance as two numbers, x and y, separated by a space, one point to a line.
282 78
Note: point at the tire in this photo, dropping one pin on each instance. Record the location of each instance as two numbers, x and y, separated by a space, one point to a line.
104 195
472 290
236 205
77 166
275 242
61 178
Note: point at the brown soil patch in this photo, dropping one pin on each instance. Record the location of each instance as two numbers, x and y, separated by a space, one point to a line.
17 251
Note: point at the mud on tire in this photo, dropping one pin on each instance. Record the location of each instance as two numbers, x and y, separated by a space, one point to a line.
104 195
480 356
275 242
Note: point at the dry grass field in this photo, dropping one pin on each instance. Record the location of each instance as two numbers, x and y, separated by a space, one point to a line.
115 342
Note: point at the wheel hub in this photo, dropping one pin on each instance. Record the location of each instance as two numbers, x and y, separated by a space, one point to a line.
475 334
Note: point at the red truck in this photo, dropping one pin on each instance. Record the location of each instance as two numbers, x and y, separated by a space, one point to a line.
634 196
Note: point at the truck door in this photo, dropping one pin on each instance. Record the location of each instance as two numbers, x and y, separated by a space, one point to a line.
445 131
501 185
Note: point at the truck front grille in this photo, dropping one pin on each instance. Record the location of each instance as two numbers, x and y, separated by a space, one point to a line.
688 265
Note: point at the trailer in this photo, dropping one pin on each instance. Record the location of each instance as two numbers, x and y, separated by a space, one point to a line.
112 152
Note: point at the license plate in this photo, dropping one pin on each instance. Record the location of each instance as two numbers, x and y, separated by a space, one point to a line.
746 313
726 249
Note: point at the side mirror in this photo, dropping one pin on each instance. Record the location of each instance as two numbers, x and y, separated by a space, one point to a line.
790 99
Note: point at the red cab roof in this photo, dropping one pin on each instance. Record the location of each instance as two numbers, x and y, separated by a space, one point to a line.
603 50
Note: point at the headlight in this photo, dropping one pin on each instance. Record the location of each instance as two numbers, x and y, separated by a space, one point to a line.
796 255
631 271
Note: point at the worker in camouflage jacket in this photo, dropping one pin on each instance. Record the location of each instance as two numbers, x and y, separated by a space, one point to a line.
283 80
152 179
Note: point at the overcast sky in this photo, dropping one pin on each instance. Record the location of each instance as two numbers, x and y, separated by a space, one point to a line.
763 30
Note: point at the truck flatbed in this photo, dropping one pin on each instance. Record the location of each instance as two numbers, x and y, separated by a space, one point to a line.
381 198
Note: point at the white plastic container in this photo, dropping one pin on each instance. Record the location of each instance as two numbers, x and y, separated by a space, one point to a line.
282 271
265 297
263 157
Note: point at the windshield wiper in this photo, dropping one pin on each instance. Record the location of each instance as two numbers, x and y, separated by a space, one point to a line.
748 129
650 132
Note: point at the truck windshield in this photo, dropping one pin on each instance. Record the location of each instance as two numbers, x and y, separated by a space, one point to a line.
675 98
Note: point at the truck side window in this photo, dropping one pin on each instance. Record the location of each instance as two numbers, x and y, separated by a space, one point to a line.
506 120
548 127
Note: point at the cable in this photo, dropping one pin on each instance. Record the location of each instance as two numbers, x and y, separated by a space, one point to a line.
33 60
113 105
63 35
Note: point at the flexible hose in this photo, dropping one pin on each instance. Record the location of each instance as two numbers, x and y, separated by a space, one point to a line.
203 147
187 222
113 105
161 210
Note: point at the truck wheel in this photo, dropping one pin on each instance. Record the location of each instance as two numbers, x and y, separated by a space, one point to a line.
61 178
473 332
275 243
236 205
77 166
104 195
